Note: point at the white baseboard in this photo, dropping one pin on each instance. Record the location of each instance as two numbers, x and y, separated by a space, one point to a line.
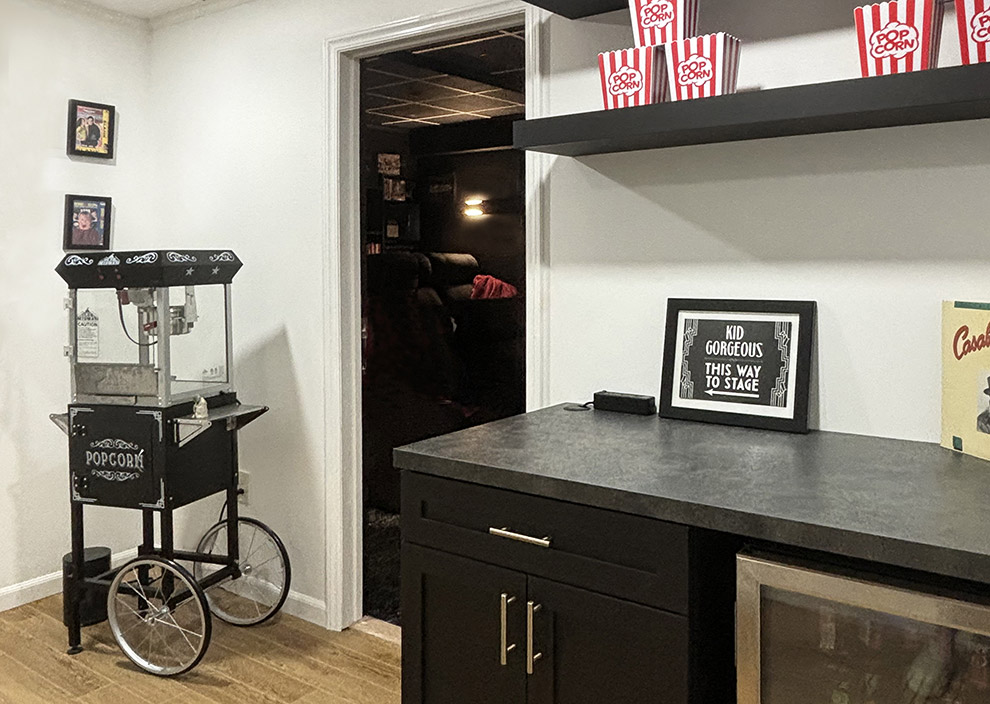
298 605
46 585
306 607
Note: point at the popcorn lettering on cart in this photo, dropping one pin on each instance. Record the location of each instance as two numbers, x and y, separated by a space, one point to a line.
899 36
657 22
973 18
703 67
632 77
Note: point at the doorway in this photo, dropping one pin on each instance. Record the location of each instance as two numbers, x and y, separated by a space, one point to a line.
443 263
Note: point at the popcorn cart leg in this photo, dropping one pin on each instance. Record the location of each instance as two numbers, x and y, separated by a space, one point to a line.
147 548
233 539
168 552
148 528
76 584
168 547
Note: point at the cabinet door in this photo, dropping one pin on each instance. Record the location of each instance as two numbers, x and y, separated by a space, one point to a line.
589 648
452 630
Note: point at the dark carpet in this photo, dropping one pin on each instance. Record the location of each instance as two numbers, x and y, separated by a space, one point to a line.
381 566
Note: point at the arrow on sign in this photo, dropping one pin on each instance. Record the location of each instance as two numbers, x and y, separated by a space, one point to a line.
731 393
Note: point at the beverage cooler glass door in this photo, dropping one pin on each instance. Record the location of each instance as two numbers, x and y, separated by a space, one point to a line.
804 636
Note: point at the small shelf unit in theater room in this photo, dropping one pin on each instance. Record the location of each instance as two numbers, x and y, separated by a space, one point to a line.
923 97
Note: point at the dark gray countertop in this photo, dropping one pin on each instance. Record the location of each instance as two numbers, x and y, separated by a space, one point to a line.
908 504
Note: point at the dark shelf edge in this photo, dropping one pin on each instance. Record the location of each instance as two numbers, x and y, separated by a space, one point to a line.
925 97
576 9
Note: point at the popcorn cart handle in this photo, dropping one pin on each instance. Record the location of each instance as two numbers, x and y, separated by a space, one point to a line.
236 415
61 420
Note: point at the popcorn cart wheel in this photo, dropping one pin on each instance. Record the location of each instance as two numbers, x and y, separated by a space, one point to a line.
265 573
151 601
153 426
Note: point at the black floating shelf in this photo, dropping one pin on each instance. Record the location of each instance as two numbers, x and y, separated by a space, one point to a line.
575 9
923 97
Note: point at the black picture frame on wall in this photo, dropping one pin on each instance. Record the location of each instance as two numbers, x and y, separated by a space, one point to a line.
738 362
87 223
91 130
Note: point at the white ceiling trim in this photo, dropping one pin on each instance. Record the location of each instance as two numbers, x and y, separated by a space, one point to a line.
94 11
200 9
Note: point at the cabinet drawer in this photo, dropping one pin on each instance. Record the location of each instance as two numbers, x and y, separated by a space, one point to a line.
631 557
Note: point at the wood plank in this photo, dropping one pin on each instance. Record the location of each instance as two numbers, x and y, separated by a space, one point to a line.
323 648
383 630
72 677
374 649
222 690
190 697
371 649
284 661
51 606
353 684
323 697
115 694
101 654
263 678
21 685
15 615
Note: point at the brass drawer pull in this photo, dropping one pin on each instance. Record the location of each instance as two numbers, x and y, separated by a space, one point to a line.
506 533
531 657
504 619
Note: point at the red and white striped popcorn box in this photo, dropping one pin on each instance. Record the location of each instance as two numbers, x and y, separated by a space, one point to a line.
660 21
703 67
632 77
973 17
899 36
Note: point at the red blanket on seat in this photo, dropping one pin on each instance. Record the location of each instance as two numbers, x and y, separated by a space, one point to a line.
486 286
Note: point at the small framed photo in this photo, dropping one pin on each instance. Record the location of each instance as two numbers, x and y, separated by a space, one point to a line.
389 164
742 363
395 189
87 223
91 129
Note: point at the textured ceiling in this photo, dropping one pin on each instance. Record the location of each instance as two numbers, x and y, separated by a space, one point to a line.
146 9
469 79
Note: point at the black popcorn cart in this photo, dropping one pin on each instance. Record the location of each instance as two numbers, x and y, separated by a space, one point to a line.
153 426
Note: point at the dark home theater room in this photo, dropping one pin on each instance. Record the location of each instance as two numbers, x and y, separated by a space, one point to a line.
494 352
444 264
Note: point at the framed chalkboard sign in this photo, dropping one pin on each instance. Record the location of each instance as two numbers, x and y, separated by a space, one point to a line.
738 362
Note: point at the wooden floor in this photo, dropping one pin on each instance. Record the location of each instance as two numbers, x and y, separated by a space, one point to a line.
285 660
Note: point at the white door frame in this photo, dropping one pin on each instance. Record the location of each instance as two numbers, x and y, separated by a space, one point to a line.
342 267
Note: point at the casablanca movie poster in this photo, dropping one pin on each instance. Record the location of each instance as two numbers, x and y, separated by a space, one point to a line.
966 377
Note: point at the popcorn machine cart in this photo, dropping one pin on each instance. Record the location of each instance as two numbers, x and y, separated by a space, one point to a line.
153 427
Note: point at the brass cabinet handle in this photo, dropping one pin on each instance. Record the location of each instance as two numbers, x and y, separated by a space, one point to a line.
543 542
531 657
504 618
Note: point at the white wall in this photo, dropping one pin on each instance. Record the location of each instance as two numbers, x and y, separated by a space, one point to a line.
241 163
51 52
877 226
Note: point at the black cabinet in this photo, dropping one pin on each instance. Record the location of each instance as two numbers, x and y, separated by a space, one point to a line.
477 633
519 599
452 611
595 648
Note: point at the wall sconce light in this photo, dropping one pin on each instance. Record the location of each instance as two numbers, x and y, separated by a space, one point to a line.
474 201
474 212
